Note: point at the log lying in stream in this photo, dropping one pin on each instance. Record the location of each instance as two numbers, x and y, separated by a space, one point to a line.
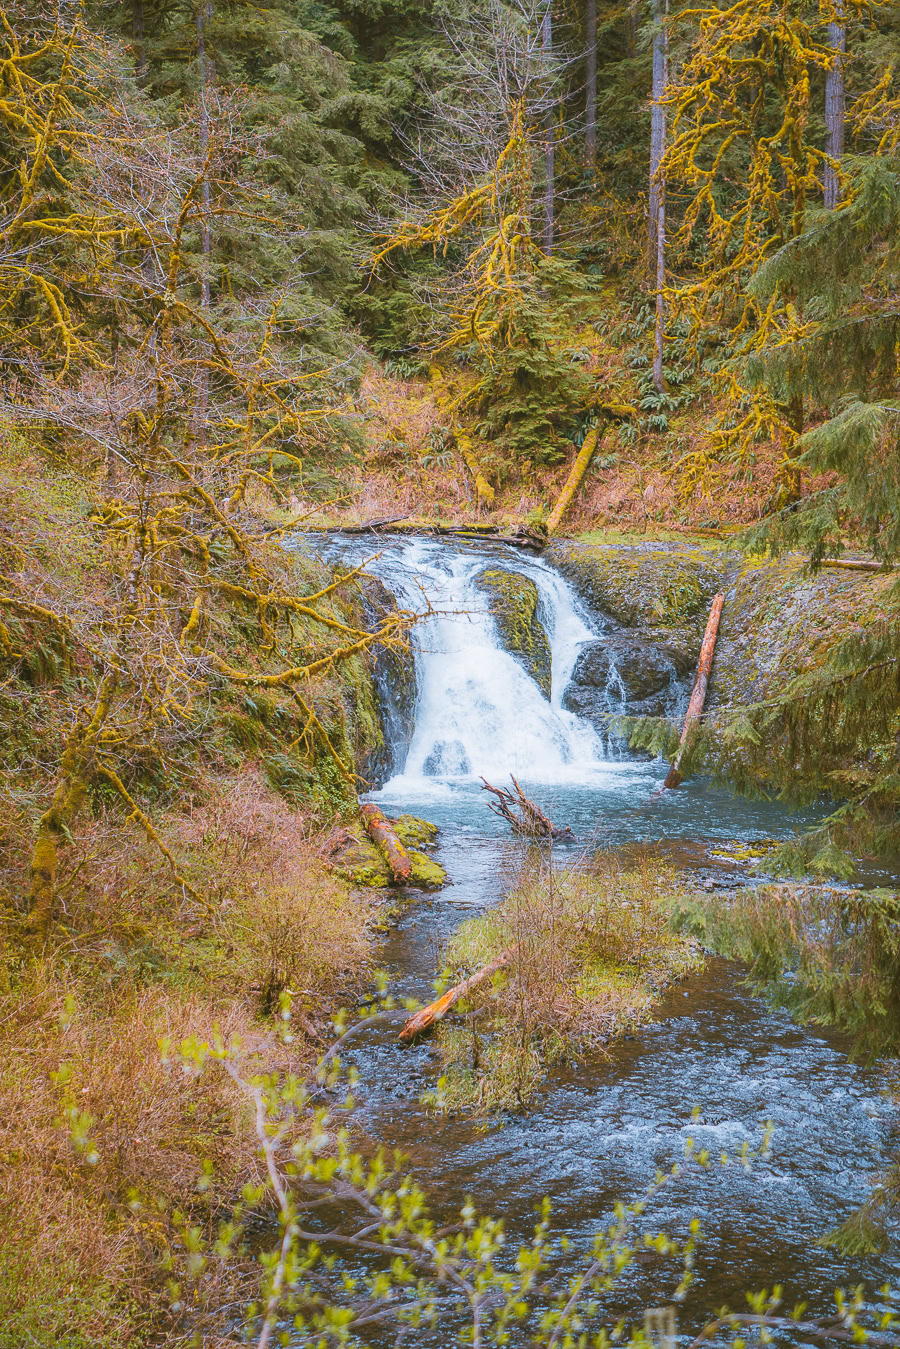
532 821
386 840
698 693
429 1016
520 536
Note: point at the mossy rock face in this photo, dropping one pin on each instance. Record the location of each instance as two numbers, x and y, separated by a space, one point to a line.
514 601
642 585
393 675
779 621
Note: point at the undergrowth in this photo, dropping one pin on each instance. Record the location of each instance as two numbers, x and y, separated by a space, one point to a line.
592 951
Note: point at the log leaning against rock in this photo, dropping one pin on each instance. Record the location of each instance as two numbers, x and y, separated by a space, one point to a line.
386 840
698 693
436 1011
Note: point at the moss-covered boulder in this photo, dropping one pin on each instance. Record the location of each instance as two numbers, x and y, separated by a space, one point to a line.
643 585
514 602
353 855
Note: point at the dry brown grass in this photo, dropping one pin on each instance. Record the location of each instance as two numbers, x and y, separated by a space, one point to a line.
593 949
82 1242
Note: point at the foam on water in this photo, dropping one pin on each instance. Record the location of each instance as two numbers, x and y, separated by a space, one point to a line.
478 711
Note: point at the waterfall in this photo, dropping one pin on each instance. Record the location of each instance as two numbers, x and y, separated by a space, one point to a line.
478 711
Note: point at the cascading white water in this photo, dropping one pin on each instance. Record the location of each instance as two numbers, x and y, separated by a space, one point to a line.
478 711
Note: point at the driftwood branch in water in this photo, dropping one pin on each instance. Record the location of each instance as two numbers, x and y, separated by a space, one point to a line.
429 1016
698 693
387 841
532 821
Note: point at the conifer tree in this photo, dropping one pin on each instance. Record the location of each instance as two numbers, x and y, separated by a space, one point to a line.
834 727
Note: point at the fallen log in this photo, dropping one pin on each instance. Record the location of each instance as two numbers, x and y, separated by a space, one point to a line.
429 1016
698 693
386 840
576 476
373 525
483 489
532 821
854 563
612 411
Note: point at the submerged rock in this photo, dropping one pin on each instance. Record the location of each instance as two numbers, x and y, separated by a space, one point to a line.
514 601
448 758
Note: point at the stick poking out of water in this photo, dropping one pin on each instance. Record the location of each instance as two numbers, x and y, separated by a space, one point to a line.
532 821
698 693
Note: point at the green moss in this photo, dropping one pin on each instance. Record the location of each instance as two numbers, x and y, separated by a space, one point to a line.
362 862
514 601
642 585
427 874
412 831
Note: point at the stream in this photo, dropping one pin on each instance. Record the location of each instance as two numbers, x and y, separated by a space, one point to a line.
599 1129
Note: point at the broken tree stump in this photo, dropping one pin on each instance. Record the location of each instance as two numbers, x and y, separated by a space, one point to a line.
429 1016
387 842
532 822
698 692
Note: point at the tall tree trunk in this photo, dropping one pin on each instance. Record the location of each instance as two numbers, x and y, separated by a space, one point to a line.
138 35
550 161
632 20
207 73
590 97
834 108
657 222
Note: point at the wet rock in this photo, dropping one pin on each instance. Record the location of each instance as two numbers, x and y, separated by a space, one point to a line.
514 602
394 678
448 758
628 666
623 673
642 585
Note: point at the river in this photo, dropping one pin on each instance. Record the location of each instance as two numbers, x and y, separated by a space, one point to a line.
600 1128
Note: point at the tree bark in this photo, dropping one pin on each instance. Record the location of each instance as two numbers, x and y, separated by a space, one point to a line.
632 22
576 476
436 1011
387 842
204 13
834 109
698 693
657 221
590 95
138 35
550 156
